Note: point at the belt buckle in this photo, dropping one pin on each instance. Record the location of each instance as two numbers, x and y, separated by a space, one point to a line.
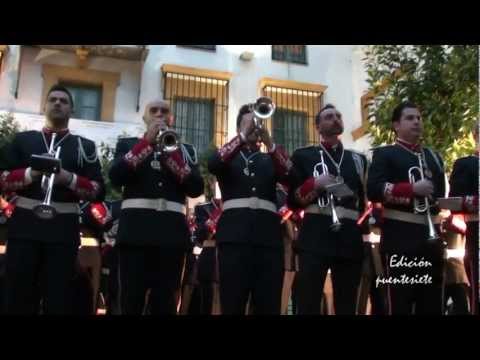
162 205
254 203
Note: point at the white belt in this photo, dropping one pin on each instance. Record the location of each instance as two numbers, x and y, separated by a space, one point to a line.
409 217
60 207
88 241
208 244
471 217
342 213
154 204
252 203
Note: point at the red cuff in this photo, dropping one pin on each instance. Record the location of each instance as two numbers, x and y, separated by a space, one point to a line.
12 180
85 188
403 190
100 213
138 153
212 221
306 193
177 165
388 194
7 208
281 161
230 149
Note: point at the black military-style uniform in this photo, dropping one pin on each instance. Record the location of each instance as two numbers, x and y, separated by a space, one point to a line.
109 282
250 248
87 280
319 248
206 273
45 251
464 183
152 241
404 234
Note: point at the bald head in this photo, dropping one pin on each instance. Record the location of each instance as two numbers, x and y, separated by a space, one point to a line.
157 110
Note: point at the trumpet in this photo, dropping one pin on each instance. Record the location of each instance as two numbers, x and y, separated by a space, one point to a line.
324 201
167 141
263 108
45 210
422 206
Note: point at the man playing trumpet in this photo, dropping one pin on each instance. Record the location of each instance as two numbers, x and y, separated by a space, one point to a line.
43 234
406 177
250 248
329 237
157 173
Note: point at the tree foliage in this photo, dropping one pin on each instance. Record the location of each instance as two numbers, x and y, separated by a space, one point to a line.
441 79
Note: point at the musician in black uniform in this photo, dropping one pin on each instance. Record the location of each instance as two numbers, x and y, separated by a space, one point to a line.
153 234
250 247
109 280
202 273
320 245
413 264
464 183
45 250
94 221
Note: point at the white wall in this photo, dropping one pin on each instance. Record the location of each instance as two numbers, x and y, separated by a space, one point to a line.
337 67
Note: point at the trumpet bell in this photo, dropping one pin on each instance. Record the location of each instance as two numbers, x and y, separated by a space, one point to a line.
168 141
264 108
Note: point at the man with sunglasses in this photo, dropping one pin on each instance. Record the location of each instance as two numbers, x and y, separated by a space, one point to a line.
153 235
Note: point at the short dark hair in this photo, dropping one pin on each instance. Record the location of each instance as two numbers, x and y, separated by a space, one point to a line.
397 112
328 106
245 109
62 89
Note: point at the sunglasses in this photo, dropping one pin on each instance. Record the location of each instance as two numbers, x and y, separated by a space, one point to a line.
163 111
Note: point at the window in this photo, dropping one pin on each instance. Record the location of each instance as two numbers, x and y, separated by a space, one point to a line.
293 124
202 47
290 53
194 121
87 100
290 128
199 100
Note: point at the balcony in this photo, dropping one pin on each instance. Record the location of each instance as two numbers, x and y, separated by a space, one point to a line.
124 52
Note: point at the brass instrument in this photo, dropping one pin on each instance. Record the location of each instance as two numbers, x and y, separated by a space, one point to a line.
329 199
45 210
422 206
263 108
167 141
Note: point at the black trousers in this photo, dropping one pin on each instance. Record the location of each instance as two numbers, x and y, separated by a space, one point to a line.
202 299
313 268
82 293
149 267
422 298
459 295
471 264
201 302
245 271
36 270
2 284
110 286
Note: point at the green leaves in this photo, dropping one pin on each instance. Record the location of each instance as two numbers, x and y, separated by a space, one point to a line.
441 79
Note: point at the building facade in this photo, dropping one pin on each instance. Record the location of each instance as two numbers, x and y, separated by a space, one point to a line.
206 84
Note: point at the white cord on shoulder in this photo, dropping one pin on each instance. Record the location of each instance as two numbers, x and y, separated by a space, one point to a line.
82 155
186 155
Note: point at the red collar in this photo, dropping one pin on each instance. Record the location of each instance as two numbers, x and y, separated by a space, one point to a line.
48 131
410 146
